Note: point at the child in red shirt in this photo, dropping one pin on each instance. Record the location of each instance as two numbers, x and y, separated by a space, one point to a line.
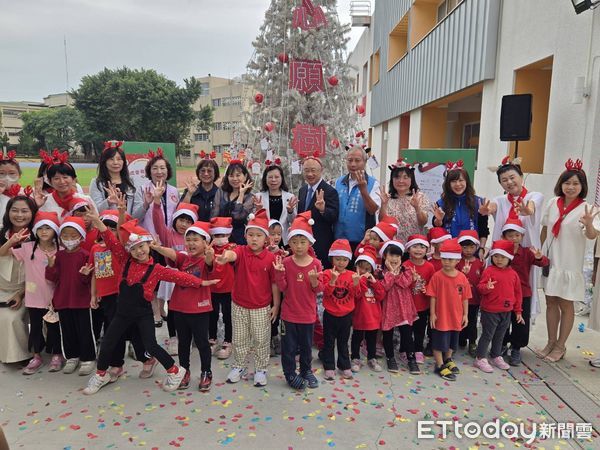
220 231
450 291
472 267
339 291
417 246
191 306
500 290
366 320
297 277
253 291
377 236
276 247
436 236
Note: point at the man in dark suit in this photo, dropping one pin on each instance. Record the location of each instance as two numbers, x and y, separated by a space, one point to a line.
323 201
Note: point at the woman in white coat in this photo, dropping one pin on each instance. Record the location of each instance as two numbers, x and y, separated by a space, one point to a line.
280 204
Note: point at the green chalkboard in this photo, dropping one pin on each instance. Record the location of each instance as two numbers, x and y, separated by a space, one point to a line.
136 157
468 155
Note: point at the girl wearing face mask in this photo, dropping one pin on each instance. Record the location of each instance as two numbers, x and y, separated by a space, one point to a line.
10 173
70 271
14 332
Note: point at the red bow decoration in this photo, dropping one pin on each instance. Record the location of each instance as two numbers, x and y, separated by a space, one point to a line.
211 155
454 165
112 144
10 156
236 161
277 162
576 165
159 153
400 164
55 158
28 191
12 191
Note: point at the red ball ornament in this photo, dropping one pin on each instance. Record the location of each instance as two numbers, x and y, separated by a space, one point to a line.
333 80
259 97
335 143
269 126
283 57
360 109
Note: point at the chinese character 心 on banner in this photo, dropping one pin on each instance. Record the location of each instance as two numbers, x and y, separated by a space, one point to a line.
308 16
306 76
309 139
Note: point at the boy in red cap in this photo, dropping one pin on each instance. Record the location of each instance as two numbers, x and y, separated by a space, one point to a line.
436 236
500 290
450 291
472 267
253 291
525 257
298 277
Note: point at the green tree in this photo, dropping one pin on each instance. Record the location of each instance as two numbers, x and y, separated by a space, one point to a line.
138 105
204 118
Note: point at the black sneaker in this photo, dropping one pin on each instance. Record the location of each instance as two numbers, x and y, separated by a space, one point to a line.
452 366
392 365
205 381
445 373
413 367
185 383
428 351
311 380
296 382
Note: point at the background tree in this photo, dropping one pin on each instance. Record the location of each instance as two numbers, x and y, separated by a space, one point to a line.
204 118
138 105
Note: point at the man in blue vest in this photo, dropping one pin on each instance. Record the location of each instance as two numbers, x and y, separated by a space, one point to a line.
359 199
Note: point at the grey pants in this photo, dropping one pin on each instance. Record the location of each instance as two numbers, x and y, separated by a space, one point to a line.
493 329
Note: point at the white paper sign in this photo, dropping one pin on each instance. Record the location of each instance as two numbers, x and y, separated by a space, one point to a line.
264 144
269 155
296 168
256 168
372 163
430 178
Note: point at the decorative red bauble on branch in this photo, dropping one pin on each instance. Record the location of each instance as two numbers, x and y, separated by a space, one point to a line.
333 80
259 97
360 109
269 126
335 143
283 57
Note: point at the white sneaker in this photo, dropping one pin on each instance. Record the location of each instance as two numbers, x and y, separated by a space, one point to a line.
87 367
355 365
96 382
173 380
71 365
260 378
236 374
173 346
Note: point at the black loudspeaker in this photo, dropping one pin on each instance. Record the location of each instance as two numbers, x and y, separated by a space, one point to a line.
515 118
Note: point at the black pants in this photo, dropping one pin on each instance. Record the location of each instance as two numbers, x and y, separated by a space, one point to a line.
296 337
118 328
37 343
470 331
221 301
407 342
370 336
77 334
518 336
108 306
98 322
194 326
336 329
170 319
493 329
419 326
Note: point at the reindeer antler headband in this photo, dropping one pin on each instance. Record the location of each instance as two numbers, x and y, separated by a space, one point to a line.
55 158
159 153
576 165
454 165
112 144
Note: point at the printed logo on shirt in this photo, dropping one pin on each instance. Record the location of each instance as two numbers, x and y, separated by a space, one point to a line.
460 289
507 303
341 293
370 296
300 277
103 264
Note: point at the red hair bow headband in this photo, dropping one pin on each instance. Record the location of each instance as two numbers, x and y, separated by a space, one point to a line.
576 165
15 190
211 155
277 162
454 165
55 158
112 144
236 161
401 163
159 153
10 156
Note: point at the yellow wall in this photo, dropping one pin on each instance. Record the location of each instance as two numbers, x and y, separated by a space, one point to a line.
374 78
396 49
433 128
423 17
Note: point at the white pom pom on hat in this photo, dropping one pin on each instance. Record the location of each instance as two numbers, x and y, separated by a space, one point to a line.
251 216
311 222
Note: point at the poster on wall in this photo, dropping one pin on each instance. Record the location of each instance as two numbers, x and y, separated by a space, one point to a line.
137 158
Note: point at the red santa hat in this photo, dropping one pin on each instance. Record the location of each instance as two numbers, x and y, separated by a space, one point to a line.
450 249
132 234
438 235
77 203
340 247
202 228
391 220
221 225
113 216
468 236
76 223
415 239
514 224
259 220
393 242
385 231
49 218
504 248
186 209
368 254
274 222
302 226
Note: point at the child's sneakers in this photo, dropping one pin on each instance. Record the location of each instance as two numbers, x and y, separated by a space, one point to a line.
420 357
34 365
311 380
515 357
403 357
236 374
374 365
355 365
329 375
214 346
450 364
86 368
175 376
205 381
499 362
260 378
115 373
473 349
347 374
71 365
445 373
483 365
185 383
413 367
296 382
173 346
96 382
148 368
56 363
225 351
392 365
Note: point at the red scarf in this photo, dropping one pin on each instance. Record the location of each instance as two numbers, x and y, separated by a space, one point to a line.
63 202
562 212
512 214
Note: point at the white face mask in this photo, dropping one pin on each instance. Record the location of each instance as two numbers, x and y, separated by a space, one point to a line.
70 245
220 241
8 179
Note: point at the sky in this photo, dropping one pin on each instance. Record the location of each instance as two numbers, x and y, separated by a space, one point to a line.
178 38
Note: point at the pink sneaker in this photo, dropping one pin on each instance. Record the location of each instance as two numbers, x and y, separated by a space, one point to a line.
34 365
483 365
329 374
500 363
347 374
56 363
420 357
115 373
